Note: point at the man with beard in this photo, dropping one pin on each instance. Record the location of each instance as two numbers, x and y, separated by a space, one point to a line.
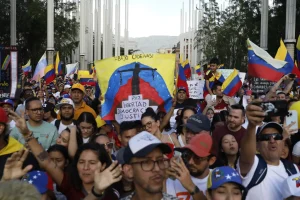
43 131
66 109
147 164
192 169
235 120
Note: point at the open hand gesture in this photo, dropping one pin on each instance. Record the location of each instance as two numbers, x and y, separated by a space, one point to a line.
105 178
20 122
13 166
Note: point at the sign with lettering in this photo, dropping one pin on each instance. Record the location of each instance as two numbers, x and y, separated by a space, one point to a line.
132 109
259 85
196 89
10 84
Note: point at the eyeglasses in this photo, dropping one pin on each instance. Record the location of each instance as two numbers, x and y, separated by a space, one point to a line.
109 145
36 110
148 165
148 125
267 137
187 155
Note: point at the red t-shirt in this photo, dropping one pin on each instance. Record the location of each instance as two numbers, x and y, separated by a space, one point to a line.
71 192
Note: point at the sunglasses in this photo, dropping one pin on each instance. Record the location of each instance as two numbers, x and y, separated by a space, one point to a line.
109 145
267 137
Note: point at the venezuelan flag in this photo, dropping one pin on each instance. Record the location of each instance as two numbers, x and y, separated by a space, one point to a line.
6 62
232 84
58 67
187 69
181 79
221 66
40 68
298 50
262 65
49 74
85 78
219 77
198 69
27 68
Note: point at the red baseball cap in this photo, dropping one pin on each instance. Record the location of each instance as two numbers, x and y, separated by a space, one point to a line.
200 144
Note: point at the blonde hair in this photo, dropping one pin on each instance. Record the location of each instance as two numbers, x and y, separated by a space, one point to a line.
18 190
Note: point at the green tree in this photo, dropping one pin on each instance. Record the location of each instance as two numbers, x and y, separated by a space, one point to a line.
32 28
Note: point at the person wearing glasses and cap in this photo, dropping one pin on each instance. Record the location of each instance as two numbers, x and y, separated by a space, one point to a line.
145 155
264 174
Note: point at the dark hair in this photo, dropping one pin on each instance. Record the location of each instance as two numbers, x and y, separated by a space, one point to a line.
238 107
57 147
102 156
214 61
218 117
88 118
95 103
222 158
162 114
27 84
215 86
95 136
127 125
150 113
30 100
180 119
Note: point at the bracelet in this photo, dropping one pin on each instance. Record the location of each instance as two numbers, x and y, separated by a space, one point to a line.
30 137
95 194
196 190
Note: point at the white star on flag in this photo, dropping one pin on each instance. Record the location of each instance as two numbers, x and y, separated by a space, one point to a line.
34 177
228 177
233 174
30 181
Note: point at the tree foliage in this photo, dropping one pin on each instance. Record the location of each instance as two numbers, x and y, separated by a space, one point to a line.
32 28
223 34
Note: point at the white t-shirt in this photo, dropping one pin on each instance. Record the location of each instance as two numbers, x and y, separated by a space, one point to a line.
175 188
62 127
296 149
271 186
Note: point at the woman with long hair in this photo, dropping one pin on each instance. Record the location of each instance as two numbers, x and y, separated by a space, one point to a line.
91 172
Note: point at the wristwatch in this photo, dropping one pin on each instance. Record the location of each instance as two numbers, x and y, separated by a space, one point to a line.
196 190
96 194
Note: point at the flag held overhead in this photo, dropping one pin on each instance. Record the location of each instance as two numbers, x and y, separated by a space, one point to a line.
232 84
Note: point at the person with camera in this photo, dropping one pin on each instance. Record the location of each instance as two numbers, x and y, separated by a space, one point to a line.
263 174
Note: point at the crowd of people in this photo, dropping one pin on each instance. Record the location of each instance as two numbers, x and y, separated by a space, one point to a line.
55 145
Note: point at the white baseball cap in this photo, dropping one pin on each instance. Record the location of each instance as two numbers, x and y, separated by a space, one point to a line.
65 101
291 186
67 86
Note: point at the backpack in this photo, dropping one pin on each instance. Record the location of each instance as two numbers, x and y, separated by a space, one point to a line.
261 172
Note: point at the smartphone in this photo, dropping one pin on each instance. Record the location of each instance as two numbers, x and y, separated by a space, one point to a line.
274 108
291 117
176 156
213 97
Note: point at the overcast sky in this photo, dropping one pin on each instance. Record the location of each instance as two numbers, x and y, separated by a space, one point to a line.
156 17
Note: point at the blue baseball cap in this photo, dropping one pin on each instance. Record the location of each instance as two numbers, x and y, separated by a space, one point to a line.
7 101
221 175
41 181
198 123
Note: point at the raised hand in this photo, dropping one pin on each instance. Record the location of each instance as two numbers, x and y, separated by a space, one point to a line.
20 122
105 178
13 166
255 114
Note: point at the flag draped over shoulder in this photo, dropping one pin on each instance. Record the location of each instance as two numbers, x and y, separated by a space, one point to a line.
262 65
40 68
27 68
58 67
232 84
85 78
283 54
198 69
132 83
217 77
187 69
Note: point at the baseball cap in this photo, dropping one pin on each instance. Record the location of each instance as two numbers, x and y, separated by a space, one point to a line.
197 123
275 125
142 144
291 186
48 107
40 180
221 175
181 88
67 86
3 116
65 101
7 101
120 156
200 144
79 87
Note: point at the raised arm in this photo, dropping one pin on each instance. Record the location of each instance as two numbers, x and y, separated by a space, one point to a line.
168 116
72 146
275 87
40 154
207 87
255 116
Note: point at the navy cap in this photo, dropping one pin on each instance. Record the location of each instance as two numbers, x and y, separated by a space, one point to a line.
198 123
48 106
8 102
